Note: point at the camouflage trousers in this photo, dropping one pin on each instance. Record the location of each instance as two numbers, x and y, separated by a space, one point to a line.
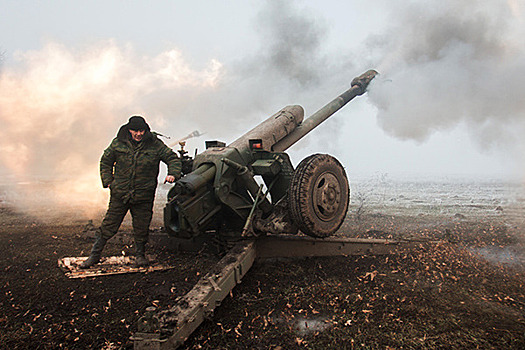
141 213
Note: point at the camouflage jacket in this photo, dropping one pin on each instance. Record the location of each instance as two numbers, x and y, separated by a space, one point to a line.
131 169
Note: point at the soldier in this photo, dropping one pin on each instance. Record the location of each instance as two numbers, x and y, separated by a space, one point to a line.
130 167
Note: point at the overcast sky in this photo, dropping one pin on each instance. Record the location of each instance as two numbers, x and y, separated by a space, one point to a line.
449 100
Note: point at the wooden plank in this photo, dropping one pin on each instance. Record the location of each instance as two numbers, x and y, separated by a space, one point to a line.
111 265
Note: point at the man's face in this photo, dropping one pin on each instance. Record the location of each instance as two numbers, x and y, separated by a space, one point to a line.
137 135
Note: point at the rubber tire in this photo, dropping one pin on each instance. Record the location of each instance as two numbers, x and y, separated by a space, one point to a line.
319 195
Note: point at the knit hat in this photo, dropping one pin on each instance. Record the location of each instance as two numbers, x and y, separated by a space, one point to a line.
137 122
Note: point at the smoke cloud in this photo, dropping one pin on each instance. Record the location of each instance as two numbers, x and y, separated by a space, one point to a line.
293 41
449 63
442 64
61 106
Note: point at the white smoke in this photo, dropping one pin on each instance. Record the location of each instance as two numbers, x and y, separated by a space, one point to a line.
442 64
60 107
448 63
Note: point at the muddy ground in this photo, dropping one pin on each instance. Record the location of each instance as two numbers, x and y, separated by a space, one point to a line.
465 292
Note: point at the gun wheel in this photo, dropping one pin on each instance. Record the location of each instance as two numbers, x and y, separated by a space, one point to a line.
319 195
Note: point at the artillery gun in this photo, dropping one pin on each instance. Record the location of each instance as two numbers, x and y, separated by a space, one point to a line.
221 195
218 198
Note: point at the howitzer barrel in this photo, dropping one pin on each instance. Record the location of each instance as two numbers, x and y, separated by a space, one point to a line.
358 87
273 129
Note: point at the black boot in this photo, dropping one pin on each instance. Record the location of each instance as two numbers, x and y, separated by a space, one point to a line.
96 253
140 255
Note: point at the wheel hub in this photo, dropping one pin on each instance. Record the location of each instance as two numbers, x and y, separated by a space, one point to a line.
327 196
